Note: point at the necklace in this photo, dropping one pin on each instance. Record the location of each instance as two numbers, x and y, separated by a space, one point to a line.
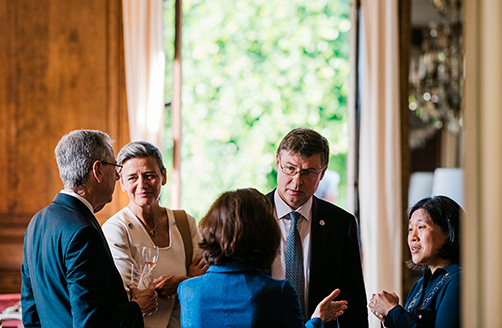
151 231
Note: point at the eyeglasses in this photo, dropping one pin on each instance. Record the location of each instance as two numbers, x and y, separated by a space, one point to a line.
304 174
118 168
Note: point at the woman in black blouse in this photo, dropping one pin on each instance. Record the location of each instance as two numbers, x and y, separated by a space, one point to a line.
433 239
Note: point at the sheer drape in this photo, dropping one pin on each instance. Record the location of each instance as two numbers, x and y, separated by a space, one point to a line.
379 148
144 62
482 227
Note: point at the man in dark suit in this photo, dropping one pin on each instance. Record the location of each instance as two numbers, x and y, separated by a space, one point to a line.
328 257
69 278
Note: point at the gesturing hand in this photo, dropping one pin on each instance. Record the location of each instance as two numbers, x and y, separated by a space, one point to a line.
328 309
381 303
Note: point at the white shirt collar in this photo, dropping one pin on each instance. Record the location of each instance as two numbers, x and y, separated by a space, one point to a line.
82 199
283 209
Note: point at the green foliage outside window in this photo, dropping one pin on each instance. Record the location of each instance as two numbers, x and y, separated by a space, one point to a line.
252 71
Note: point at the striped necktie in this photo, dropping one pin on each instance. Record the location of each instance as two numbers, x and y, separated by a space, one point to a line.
294 259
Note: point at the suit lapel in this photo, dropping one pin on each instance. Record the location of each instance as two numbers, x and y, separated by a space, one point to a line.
318 230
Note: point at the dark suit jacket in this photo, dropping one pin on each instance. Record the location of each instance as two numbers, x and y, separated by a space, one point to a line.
335 262
69 278
237 295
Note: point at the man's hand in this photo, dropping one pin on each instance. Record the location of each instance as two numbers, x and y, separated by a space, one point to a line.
197 268
328 309
381 303
146 299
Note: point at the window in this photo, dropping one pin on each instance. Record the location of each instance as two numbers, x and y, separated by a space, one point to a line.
252 71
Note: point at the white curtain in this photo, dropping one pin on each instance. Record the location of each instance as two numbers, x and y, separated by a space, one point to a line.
144 63
482 226
380 205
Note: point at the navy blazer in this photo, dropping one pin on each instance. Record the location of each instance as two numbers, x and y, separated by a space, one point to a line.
435 298
237 295
335 262
69 278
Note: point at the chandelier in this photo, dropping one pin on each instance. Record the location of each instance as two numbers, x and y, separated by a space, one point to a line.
436 77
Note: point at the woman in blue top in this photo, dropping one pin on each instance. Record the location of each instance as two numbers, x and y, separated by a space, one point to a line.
240 241
434 300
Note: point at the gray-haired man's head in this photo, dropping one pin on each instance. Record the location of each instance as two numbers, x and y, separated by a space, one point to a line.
76 153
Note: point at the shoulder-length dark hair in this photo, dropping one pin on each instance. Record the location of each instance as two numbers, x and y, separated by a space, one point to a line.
240 226
444 212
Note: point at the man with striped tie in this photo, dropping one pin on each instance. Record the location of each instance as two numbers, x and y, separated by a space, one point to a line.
319 249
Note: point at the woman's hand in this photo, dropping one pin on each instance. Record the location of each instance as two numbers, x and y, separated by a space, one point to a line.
167 285
328 309
381 303
198 267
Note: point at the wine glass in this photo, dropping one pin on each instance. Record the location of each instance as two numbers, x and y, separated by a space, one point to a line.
150 255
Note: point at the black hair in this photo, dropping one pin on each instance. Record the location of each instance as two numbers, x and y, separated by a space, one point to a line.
444 212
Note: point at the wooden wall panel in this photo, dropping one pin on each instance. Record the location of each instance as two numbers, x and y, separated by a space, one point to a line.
61 68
